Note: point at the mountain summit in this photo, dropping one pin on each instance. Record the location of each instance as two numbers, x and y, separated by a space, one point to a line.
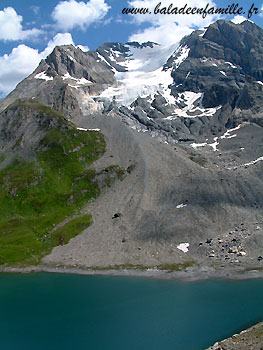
154 88
185 123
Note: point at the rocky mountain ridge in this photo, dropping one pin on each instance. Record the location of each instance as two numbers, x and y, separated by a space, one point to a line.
186 123
205 85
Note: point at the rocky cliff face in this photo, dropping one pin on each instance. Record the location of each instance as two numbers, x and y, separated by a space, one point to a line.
23 124
186 122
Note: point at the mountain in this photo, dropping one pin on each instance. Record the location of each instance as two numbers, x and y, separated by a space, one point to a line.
184 124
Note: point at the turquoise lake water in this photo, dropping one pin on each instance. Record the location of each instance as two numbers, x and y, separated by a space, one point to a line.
59 311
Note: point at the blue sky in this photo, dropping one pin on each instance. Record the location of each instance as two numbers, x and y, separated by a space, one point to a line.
30 29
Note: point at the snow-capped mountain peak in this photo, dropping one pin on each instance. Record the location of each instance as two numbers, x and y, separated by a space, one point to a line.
168 91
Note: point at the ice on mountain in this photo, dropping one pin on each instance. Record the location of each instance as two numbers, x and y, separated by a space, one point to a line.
182 53
144 76
180 206
83 129
193 106
101 58
260 159
227 133
204 144
197 145
81 81
184 247
214 144
43 76
231 65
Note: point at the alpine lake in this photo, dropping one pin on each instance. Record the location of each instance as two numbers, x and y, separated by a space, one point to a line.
65 311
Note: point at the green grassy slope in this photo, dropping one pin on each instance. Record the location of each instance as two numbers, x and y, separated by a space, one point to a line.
35 196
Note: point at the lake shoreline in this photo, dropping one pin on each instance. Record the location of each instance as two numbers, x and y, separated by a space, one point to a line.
191 274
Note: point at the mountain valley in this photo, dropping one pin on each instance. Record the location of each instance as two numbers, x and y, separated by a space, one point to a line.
161 146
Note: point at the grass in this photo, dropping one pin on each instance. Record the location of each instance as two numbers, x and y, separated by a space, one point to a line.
35 105
71 229
162 267
176 267
120 173
35 196
256 268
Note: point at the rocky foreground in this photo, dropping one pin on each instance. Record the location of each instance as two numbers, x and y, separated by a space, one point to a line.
251 338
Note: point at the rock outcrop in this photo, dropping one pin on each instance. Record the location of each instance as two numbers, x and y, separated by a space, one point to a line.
251 338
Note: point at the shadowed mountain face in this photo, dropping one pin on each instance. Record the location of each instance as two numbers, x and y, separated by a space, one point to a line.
185 122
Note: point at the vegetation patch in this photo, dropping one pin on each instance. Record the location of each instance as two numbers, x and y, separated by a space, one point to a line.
36 196
176 267
107 176
256 268
162 267
35 105
71 229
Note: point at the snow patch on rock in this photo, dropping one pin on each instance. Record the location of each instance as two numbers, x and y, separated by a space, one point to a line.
227 135
43 76
228 132
193 106
260 159
197 145
182 53
213 145
231 64
184 247
81 81
83 129
180 206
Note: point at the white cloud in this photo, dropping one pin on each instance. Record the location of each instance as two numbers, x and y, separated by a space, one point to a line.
169 28
16 66
11 27
181 19
83 48
165 34
238 19
72 14
35 9
23 60
59 39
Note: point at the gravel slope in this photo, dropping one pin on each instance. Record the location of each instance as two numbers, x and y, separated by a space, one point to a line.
173 195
